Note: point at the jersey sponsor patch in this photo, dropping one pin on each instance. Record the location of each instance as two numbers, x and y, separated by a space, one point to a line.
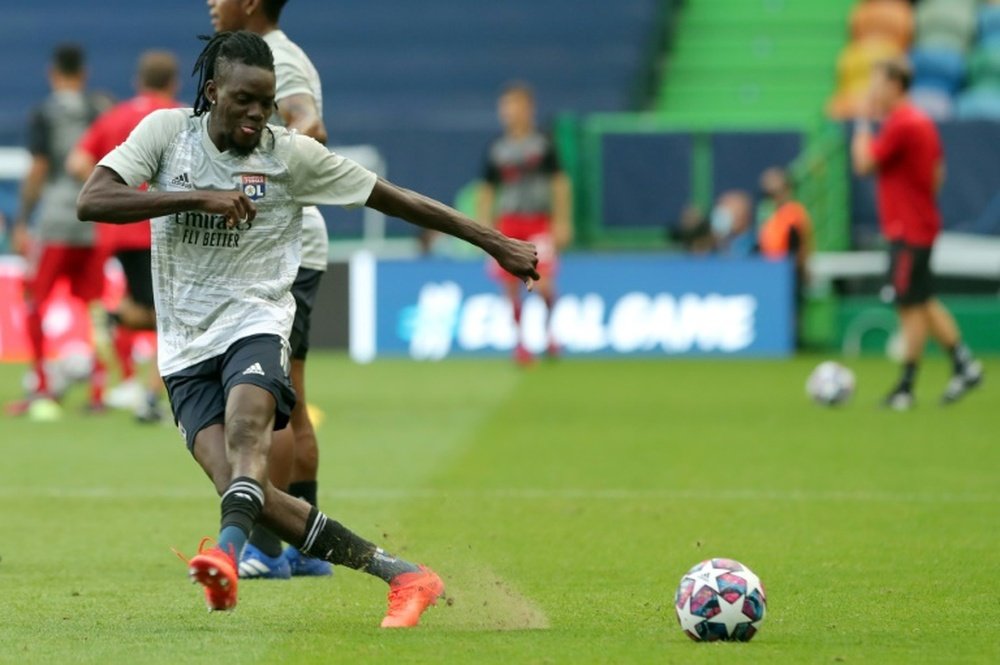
254 185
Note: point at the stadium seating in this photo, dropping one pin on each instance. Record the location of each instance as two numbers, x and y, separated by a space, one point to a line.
854 67
979 104
935 102
423 75
956 43
883 20
984 66
989 25
939 73
745 60
946 24
880 29
938 68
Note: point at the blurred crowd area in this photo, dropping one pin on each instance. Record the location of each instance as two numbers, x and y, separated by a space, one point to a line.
953 45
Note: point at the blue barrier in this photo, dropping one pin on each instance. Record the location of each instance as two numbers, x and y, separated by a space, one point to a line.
608 305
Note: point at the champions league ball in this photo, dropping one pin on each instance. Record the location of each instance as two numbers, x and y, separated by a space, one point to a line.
720 599
830 384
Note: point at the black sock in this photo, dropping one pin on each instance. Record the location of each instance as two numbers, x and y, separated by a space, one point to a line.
266 541
960 357
386 567
331 541
908 378
305 490
242 503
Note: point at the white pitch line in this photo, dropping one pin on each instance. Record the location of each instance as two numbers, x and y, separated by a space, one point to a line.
524 494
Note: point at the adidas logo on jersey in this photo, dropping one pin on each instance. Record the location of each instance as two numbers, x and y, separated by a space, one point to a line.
254 369
183 180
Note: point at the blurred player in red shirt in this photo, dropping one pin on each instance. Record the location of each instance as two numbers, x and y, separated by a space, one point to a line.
526 196
58 247
156 85
908 162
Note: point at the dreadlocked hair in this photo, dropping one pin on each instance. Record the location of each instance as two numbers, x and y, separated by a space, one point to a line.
228 47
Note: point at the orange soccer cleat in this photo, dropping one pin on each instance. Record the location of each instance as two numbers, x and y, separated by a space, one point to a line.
409 595
217 572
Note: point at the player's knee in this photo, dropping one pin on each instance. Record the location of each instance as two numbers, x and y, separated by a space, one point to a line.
248 431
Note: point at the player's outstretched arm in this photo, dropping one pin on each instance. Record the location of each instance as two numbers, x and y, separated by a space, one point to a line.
106 197
516 257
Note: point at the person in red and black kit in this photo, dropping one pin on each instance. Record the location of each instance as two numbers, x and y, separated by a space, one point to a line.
526 195
908 162
156 85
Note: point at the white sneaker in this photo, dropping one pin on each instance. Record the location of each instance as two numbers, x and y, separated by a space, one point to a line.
128 395
963 382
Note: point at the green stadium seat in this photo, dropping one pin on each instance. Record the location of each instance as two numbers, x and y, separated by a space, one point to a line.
984 67
768 60
946 24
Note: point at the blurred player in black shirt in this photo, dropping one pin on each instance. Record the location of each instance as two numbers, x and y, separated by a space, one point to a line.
526 196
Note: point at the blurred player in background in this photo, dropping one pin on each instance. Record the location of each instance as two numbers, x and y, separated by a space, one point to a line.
62 247
526 196
156 86
226 199
908 162
294 453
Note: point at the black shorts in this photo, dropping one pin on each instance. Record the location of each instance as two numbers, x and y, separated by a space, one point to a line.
304 289
198 393
910 274
137 266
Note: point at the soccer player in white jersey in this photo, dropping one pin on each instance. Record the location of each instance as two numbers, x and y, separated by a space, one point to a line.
225 198
294 450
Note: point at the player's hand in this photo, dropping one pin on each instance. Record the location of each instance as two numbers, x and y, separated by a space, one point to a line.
236 207
519 258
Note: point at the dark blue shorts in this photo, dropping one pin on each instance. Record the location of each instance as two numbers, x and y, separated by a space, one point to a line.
198 393
304 291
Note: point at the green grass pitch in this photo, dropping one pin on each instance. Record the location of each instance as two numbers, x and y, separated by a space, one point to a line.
560 504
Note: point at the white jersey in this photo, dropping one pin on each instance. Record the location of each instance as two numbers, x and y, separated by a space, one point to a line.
214 285
295 75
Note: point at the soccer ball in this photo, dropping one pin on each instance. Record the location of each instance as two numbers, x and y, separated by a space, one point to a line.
830 384
720 599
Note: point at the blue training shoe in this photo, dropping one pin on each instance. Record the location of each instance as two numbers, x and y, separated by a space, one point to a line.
306 566
255 565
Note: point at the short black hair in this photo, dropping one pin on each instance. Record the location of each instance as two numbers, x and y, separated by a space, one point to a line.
228 47
272 9
67 59
897 70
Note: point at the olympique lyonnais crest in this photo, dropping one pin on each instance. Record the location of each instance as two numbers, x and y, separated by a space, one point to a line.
254 185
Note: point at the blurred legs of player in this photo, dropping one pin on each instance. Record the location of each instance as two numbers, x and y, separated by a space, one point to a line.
136 312
967 372
83 267
535 229
227 406
922 315
294 454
